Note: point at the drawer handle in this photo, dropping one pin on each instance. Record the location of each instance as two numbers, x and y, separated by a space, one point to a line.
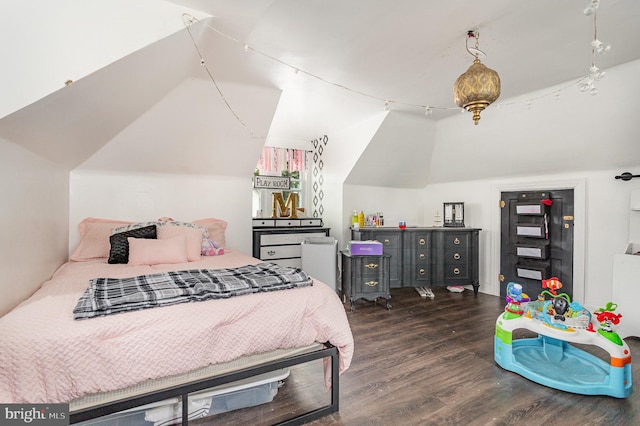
422 256
422 271
387 242
371 266
457 256
456 241
422 241
456 271
271 252
371 283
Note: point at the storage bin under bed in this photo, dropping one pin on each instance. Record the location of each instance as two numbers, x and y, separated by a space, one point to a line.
220 399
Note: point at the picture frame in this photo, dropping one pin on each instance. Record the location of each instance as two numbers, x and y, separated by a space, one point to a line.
453 214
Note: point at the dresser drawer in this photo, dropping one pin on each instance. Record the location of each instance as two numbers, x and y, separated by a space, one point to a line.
456 272
294 262
421 257
418 241
457 262
456 255
289 238
389 241
310 222
288 222
452 240
369 266
368 285
279 252
421 273
263 223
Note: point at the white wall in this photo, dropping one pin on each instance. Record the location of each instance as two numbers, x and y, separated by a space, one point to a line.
142 197
34 211
341 153
397 204
573 132
608 230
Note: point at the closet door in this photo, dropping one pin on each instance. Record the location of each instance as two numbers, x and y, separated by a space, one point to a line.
536 241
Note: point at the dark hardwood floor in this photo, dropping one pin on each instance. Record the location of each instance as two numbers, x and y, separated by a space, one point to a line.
430 362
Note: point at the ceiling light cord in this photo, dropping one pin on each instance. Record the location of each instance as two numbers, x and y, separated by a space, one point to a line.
189 20
475 34
585 83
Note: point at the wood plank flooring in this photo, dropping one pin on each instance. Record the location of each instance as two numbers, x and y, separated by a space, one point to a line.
430 362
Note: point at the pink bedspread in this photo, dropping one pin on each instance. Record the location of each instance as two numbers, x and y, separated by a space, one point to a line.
46 356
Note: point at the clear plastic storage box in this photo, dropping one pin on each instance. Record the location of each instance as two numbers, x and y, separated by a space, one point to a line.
228 397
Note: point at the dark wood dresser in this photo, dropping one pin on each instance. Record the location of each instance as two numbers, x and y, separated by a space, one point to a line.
428 257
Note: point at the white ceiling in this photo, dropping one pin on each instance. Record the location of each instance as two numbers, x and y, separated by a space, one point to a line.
351 56
408 51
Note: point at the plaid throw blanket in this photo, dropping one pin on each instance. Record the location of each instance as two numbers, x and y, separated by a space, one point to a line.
112 295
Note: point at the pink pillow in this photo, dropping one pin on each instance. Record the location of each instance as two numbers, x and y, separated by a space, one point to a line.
192 237
144 251
94 238
216 228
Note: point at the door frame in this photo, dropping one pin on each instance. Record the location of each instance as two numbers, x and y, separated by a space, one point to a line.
579 242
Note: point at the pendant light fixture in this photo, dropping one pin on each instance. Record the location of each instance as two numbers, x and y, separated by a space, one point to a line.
479 86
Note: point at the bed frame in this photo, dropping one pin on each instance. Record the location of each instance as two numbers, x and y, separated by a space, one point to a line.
183 391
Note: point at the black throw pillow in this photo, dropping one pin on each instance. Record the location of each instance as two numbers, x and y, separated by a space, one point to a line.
119 252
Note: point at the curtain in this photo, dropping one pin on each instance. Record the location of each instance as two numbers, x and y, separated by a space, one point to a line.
273 161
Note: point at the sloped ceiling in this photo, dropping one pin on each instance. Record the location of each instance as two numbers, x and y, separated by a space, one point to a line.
410 52
400 152
291 69
191 131
71 124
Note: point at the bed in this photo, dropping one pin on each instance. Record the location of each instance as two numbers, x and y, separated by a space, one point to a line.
112 362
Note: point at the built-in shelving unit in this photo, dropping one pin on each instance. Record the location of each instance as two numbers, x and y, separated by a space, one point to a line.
626 275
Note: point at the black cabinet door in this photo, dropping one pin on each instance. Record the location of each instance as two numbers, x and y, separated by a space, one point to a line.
456 257
418 259
536 240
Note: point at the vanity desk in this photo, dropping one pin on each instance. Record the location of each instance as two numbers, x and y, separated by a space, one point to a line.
278 240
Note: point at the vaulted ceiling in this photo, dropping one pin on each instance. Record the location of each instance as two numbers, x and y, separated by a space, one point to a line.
410 52
316 67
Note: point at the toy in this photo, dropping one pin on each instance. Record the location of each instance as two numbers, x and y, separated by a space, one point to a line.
550 359
516 300
211 248
607 319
